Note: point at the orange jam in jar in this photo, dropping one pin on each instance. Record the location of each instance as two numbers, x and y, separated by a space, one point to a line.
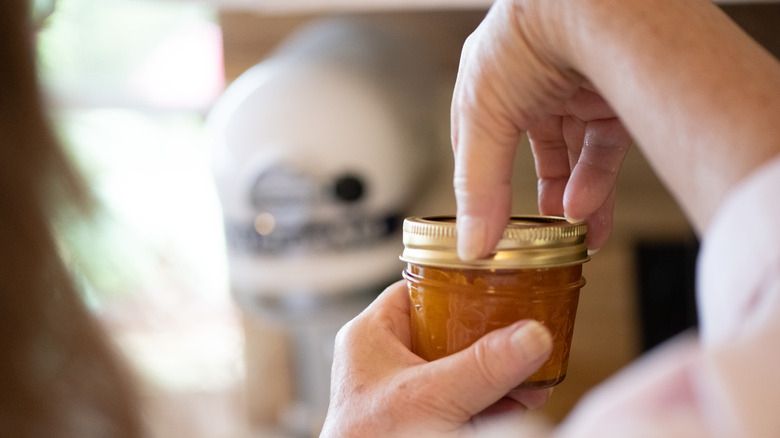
534 273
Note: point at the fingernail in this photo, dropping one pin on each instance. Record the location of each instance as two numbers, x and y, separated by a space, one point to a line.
471 237
593 251
571 219
533 340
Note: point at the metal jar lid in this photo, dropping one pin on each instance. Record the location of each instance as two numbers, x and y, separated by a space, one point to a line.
528 242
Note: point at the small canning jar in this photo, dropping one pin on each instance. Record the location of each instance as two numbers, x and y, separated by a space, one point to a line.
535 272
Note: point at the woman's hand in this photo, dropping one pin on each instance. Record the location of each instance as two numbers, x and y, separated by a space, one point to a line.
510 81
380 388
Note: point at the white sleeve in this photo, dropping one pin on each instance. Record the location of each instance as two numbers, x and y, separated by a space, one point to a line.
726 381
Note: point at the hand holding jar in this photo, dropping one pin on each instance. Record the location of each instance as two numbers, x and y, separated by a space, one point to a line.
381 388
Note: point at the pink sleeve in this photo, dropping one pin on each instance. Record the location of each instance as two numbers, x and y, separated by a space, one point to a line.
725 382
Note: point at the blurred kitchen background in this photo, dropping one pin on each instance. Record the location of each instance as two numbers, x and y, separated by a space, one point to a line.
253 160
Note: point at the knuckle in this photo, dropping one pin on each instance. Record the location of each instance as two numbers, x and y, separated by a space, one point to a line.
487 367
345 335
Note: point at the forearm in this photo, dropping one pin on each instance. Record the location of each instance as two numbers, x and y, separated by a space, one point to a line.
700 98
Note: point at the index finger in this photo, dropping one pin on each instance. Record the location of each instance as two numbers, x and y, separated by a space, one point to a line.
482 184
390 310
484 143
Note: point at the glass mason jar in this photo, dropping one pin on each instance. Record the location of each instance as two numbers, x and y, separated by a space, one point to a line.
534 273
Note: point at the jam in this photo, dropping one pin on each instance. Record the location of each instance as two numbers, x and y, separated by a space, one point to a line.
536 273
452 308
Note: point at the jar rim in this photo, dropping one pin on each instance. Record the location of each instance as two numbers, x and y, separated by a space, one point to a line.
528 241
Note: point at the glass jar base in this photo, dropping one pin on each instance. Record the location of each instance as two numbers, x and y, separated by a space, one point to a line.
539 384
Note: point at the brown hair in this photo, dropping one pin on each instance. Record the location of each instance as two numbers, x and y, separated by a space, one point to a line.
59 375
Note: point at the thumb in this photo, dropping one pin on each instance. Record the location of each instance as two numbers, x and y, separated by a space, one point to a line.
482 374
